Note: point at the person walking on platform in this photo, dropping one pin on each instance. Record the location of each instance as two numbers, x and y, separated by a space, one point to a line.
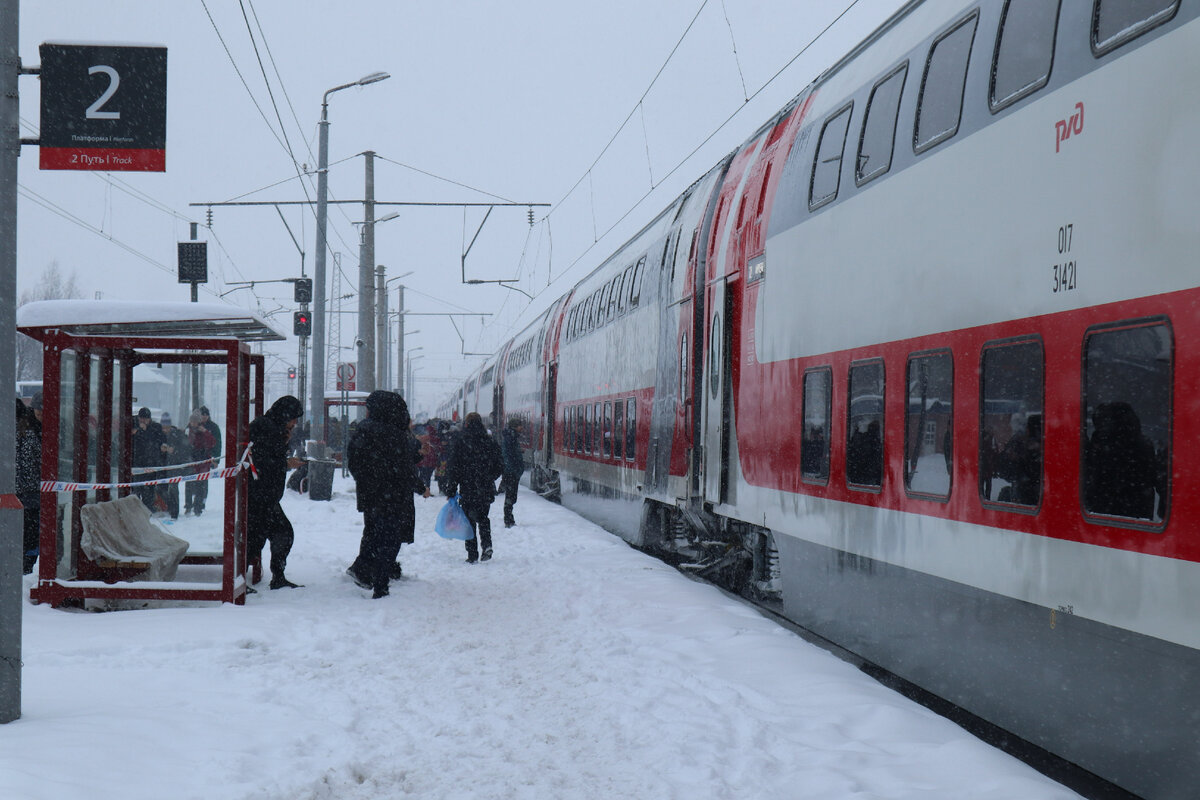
147 452
514 466
175 451
266 521
29 476
431 452
382 456
214 429
201 443
474 465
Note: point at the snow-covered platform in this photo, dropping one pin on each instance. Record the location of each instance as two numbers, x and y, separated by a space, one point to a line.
570 666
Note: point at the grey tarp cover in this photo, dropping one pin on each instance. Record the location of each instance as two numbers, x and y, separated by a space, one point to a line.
122 530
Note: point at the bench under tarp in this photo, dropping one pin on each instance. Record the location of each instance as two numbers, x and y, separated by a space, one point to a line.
121 533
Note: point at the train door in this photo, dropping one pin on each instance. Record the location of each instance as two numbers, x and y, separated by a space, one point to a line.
548 411
714 398
716 385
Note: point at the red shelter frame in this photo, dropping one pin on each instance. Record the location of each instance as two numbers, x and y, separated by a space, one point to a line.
100 361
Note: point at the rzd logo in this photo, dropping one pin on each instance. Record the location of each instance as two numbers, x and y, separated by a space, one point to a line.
1064 128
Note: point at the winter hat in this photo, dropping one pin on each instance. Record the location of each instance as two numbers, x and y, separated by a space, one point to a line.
165 420
36 402
284 409
145 412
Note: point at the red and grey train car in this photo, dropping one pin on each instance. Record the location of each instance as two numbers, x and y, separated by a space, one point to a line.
921 354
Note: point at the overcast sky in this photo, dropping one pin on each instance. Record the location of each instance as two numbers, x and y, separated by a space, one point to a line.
512 100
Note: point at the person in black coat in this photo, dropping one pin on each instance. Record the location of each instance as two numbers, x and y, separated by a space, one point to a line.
266 521
514 466
147 451
382 456
29 476
474 465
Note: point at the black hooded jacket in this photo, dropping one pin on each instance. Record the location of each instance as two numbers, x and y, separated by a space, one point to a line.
383 454
269 437
474 465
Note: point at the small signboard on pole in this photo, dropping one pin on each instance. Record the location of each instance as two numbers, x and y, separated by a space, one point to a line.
104 107
345 377
193 262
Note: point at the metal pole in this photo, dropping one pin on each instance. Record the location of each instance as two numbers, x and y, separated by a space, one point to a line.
400 342
11 541
315 405
366 284
381 362
197 369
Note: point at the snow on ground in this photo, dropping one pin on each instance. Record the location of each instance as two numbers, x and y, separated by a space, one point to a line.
570 666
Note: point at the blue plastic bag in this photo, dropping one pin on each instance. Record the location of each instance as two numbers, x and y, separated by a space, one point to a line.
452 522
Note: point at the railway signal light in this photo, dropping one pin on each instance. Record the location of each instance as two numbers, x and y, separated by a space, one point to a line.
303 290
291 373
302 323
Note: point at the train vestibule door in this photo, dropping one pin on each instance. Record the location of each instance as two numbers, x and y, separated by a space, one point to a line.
715 393
551 402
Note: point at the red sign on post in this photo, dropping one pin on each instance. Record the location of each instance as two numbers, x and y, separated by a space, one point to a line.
345 377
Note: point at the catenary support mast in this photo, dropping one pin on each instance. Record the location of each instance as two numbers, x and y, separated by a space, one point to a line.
11 546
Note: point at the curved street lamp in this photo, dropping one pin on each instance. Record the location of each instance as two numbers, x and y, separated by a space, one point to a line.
317 387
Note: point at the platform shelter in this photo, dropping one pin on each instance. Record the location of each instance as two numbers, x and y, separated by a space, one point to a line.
91 352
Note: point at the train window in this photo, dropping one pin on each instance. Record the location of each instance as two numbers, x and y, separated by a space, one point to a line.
827 164
593 301
1024 50
618 429
602 308
612 298
608 430
878 136
1011 392
762 193
622 295
1115 22
635 289
579 429
595 429
939 107
714 356
630 428
587 428
864 425
1127 424
929 424
815 413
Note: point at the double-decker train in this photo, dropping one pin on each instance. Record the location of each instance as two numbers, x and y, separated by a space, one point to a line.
919 360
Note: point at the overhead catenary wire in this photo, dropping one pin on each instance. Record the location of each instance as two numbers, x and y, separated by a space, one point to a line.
637 204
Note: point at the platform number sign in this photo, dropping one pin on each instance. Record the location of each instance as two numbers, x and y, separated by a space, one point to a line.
104 107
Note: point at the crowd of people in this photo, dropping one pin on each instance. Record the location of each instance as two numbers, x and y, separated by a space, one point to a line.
391 459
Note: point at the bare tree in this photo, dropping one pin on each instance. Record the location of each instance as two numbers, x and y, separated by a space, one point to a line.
51 286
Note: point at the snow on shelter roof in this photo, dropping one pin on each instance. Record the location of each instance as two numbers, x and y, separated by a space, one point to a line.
128 318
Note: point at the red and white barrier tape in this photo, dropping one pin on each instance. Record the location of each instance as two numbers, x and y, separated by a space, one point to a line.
68 486
146 470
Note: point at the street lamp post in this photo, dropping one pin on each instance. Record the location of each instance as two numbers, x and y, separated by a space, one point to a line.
384 357
317 395
410 358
